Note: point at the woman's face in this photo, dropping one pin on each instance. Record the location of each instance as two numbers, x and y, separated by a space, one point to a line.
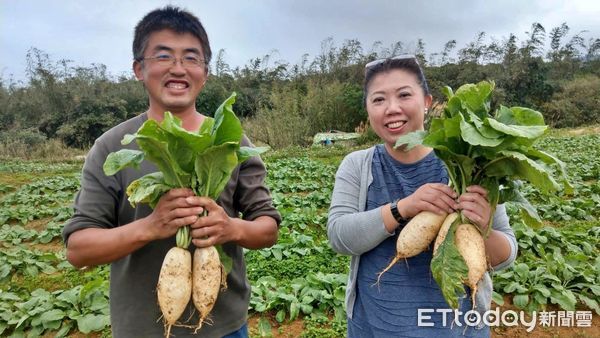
396 104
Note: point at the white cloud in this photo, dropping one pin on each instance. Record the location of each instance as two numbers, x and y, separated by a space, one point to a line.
101 32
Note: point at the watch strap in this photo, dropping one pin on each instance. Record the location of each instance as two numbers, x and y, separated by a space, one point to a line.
395 212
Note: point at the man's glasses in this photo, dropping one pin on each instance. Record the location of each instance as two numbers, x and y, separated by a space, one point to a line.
167 60
399 57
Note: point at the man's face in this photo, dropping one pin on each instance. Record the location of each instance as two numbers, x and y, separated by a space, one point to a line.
172 86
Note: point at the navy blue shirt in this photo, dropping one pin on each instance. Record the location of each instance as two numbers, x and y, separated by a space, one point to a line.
390 309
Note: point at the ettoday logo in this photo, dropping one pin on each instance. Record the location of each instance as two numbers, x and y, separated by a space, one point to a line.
507 318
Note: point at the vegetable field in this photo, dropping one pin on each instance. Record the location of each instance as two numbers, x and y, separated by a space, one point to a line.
298 284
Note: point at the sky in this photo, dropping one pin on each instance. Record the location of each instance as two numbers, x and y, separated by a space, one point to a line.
101 32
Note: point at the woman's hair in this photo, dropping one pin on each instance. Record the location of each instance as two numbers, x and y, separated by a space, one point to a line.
173 18
407 63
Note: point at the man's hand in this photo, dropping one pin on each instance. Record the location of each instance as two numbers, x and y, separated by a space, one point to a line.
175 209
215 228
95 246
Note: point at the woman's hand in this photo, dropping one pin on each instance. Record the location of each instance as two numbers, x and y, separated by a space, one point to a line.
476 207
434 197
215 228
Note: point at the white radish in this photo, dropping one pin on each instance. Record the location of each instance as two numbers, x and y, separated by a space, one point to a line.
207 280
416 236
174 285
471 246
441 236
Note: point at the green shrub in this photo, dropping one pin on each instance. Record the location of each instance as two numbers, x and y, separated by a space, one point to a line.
28 137
292 116
280 124
577 103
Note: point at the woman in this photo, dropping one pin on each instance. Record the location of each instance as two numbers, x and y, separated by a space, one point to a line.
377 190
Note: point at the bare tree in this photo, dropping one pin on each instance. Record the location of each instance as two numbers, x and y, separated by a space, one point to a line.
535 44
510 50
593 48
221 67
448 47
556 35
420 52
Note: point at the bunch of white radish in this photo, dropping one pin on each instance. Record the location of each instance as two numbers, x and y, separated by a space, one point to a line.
202 161
477 148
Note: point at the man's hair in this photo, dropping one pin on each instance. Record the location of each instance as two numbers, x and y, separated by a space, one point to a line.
410 65
173 18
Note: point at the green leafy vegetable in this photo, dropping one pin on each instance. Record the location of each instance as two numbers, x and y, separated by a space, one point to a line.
202 160
147 189
451 269
122 159
491 150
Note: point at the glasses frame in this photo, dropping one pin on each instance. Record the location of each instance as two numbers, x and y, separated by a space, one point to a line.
162 61
397 57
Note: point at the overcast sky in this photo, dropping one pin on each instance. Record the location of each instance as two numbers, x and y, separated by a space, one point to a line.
89 32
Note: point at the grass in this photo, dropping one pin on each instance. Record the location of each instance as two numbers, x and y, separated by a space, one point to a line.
62 280
568 132
14 180
51 151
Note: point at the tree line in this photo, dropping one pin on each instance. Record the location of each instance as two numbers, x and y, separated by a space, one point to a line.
284 104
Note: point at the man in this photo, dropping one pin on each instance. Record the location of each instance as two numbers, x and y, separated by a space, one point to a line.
171 56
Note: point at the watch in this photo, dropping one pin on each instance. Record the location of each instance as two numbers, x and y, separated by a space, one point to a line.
395 212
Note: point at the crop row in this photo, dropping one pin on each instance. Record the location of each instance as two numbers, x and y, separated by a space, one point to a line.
300 275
